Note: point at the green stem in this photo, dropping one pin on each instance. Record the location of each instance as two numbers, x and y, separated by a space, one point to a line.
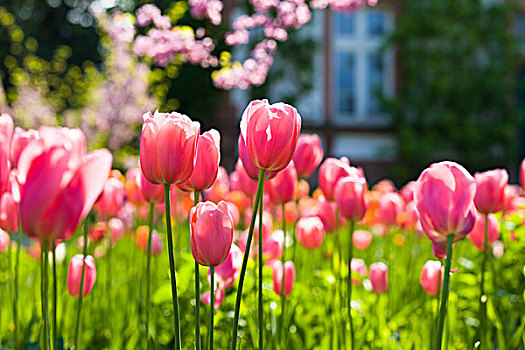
17 265
196 198
212 304
108 288
54 295
482 296
283 284
444 295
260 323
81 290
148 270
350 250
258 197
174 297
45 283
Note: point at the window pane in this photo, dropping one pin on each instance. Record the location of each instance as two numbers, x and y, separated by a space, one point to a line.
345 82
375 71
344 24
375 23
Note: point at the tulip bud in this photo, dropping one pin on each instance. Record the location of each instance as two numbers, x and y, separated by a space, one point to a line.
350 197
379 277
362 239
432 277
112 197
477 235
308 154
74 275
289 277
490 190
358 268
310 232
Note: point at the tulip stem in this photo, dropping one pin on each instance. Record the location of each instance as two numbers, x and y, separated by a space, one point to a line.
212 304
45 270
260 315
81 290
444 295
148 270
283 284
174 297
482 296
196 198
349 305
17 265
54 295
258 197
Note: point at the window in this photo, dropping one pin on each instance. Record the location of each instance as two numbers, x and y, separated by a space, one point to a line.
360 69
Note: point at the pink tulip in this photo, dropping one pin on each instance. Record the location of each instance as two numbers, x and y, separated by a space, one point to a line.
444 198
211 230
308 154
379 277
220 188
522 174
310 232
326 211
250 169
432 277
4 241
60 187
511 198
358 268
74 275
8 213
234 211
270 133
477 235
390 205
490 190
407 192
409 217
331 171
273 245
206 166
6 135
112 197
219 297
362 239
228 271
156 243
289 277
350 197
21 138
117 229
149 192
167 147
283 186
240 181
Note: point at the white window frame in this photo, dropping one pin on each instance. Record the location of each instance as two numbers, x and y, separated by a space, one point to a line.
361 44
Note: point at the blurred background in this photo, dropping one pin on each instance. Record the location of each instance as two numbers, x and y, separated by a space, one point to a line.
393 87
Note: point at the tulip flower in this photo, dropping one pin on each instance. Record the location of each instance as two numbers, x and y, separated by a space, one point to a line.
156 243
511 198
60 187
358 270
379 277
8 213
270 133
326 211
228 271
131 186
330 172
310 232
21 138
407 192
445 203
211 231
273 245
111 198
308 154
490 190
6 135
220 189
390 206
206 165
477 235
249 168
117 229
219 297
283 186
289 277
167 147
74 275
241 181
444 199
149 192
362 239
432 277
350 196
522 174
5 240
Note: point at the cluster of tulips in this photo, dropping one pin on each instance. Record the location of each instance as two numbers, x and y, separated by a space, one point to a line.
50 183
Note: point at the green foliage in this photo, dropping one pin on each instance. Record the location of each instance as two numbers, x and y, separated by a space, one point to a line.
457 61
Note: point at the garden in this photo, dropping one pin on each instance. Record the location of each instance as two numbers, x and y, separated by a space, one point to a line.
122 228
